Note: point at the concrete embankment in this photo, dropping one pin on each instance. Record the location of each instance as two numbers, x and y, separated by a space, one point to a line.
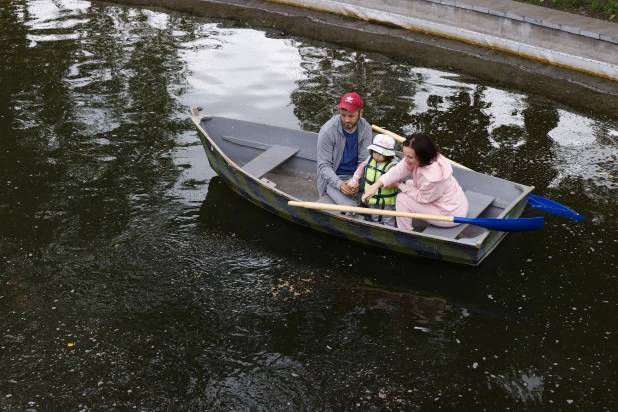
551 36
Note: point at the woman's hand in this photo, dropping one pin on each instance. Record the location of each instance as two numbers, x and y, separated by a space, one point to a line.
372 191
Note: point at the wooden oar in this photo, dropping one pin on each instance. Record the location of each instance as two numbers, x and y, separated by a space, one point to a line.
400 139
501 225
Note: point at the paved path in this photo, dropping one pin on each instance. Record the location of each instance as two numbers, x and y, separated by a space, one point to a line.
541 16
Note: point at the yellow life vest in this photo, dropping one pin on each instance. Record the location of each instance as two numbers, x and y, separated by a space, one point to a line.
373 171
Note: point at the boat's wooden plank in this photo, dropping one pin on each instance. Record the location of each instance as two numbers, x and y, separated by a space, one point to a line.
478 203
264 146
268 160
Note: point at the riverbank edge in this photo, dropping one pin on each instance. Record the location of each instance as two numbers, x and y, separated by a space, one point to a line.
550 36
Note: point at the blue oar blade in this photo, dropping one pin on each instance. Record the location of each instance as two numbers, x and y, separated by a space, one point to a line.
555 208
505 225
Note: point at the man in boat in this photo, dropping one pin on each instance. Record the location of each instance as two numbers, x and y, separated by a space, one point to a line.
342 146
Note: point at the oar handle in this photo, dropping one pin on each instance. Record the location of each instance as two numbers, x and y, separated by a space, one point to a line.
368 211
401 139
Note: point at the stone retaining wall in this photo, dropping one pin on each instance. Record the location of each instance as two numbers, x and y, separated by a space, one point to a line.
559 38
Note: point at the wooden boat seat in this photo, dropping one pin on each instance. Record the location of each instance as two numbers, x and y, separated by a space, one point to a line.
478 203
268 160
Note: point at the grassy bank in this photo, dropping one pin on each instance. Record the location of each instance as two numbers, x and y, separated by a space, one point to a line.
598 9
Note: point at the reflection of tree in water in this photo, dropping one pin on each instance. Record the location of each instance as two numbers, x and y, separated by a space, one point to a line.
461 123
459 120
97 115
34 109
406 307
519 147
462 127
540 148
386 88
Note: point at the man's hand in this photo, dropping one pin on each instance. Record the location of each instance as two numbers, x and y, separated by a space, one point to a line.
347 190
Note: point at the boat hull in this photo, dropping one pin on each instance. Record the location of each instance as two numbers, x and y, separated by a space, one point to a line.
410 243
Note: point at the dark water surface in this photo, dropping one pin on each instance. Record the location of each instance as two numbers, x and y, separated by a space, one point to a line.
132 278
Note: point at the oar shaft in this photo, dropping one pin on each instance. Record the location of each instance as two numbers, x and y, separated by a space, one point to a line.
368 211
400 139
502 225
395 136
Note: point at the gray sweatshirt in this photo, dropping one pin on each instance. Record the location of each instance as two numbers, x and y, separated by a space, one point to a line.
331 143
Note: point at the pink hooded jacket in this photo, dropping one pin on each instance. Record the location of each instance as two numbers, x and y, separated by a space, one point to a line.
433 183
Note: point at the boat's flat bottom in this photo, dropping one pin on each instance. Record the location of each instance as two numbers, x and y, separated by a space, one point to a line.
300 185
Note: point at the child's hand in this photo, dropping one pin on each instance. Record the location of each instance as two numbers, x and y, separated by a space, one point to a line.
353 182
370 192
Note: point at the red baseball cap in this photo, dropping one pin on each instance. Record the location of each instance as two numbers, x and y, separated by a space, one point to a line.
352 102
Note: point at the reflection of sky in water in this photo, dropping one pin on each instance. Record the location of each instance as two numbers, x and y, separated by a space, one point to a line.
52 14
573 130
51 37
46 15
582 151
505 109
157 20
436 83
244 74
64 24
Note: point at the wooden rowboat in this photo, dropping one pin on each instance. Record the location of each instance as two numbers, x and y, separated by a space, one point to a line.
270 166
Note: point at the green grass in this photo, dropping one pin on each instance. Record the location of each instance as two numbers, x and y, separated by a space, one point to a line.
600 9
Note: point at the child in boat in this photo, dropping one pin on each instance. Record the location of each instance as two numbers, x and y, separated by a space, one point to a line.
433 190
381 159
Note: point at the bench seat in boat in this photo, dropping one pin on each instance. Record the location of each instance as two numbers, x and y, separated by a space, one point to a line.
268 160
478 203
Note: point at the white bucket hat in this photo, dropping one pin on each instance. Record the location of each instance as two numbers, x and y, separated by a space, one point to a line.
383 144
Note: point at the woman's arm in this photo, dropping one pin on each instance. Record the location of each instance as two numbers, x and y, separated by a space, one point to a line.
372 190
395 174
428 192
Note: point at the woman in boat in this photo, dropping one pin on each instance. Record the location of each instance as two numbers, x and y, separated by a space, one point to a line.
432 190
381 159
